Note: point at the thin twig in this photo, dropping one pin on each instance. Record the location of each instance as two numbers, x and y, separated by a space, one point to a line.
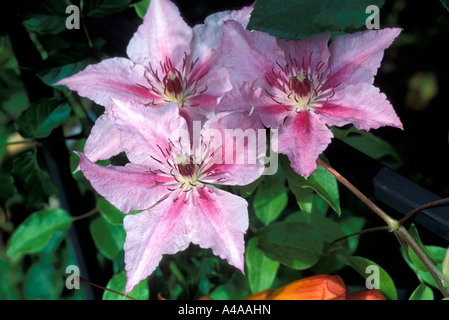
390 221
113 291
420 208
383 228
86 215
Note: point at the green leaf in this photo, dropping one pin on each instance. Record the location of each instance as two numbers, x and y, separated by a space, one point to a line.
437 254
42 282
321 181
141 7
112 215
294 244
31 181
7 187
261 270
233 289
118 283
422 292
299 19
416 261
34 233
9 276
46 16
108 238
65 62
445 3
271 199
104 8
386 284
42 117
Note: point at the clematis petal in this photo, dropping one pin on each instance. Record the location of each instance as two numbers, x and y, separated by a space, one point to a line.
163 35
104 139
219 221
361 104
239 143
303 138
152 233
245 97
248 55
117 78
145 133
212 86
207 37
356 57
126 187
312 53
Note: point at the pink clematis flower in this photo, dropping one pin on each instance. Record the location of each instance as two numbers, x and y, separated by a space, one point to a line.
301 87
169 177
168 62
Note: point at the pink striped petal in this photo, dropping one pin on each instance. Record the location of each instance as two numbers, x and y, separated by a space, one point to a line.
116 78
211 87
146 132
104 140
248 55
163 34
219 221
303 138
207 37
240 150
128 188
312 53
356 57
152 233
253 100
361 104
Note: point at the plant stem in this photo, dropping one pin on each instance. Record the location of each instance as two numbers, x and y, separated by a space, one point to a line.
86 215
390 221
398 229
98 286
424 206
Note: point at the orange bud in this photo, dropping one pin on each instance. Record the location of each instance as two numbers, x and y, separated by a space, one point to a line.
319 287
368 294
205 298
262 295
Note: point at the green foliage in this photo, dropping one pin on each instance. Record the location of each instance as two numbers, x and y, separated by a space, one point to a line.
104 8
7 187
271 198
42 117
320 181
422 292
112 215
35 232
141 7
31 180
42 282
118 283
65 62
299 19
108 238
47 16
261 270
386 284
294 244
